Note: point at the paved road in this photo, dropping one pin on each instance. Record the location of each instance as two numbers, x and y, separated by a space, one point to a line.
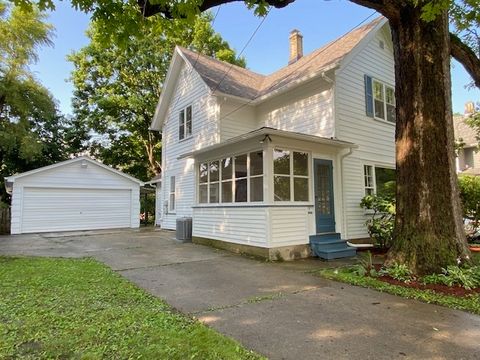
277 309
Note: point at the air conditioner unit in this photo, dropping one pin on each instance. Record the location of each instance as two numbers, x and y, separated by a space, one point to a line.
184 229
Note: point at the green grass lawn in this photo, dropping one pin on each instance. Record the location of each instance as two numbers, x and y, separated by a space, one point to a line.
70 308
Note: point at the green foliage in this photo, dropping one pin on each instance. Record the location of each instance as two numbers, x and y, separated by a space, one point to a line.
147 208
32 131
80 309
469 303
466 277
470 196
381 224
398 272
365 267
465 17
117 87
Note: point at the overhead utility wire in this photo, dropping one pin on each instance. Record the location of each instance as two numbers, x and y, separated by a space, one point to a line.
243 49
276 83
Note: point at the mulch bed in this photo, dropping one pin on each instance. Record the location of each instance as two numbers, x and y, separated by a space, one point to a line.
444 289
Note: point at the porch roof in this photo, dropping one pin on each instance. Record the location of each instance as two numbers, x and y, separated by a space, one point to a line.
268 131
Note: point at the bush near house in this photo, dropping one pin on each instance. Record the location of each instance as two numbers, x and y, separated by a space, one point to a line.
381 209
470 196
382 219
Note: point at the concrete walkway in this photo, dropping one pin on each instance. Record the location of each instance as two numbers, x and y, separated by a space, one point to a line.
276 309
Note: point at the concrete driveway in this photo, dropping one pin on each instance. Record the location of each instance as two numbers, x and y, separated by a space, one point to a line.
276 309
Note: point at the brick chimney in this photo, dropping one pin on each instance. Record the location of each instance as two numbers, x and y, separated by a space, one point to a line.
296 46
469 108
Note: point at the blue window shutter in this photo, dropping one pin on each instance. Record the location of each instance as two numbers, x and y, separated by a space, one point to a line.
368 96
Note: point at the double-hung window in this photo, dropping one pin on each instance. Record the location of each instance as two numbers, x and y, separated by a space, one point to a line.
290 175
379 180
380 99
185 123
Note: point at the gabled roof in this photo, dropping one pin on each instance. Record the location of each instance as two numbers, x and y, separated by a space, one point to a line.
242 83
464 131
11 179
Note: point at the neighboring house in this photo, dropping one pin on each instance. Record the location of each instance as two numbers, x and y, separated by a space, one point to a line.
468 156
77 194
265 163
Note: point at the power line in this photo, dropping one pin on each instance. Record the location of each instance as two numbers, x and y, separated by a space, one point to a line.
307 62
243 49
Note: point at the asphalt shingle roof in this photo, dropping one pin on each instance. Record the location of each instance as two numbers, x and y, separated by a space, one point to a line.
237 81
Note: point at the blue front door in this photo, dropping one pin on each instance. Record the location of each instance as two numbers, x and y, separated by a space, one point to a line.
324 207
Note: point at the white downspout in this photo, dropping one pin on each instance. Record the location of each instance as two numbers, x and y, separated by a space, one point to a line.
344 213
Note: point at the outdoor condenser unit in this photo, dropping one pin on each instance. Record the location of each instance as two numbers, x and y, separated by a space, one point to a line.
184 229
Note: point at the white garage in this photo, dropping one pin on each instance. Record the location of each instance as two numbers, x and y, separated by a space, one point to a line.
77 194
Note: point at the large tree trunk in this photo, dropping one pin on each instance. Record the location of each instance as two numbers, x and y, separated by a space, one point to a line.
428 231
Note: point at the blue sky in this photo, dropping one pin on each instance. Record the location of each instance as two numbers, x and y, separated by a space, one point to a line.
319 22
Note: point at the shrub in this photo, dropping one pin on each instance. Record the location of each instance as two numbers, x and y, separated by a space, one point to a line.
398 272
470 196
466 277
381 224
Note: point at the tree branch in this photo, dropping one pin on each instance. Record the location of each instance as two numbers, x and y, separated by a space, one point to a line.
167 10
465 56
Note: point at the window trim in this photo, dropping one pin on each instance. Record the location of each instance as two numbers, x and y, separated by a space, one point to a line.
370 99
182 124
384 101
173 193
292 176
374 178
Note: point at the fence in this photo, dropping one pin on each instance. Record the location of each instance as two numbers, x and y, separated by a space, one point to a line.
5 217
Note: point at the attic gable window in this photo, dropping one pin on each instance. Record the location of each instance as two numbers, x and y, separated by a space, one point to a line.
379 100
185 123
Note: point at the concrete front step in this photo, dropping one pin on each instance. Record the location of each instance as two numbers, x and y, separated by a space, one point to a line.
330 246
336 254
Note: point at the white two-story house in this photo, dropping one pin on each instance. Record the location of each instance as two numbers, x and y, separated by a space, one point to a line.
266 164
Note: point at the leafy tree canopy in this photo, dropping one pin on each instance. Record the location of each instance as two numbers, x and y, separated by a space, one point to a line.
32 132
117 87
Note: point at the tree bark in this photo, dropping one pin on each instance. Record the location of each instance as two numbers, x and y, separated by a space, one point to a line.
429 232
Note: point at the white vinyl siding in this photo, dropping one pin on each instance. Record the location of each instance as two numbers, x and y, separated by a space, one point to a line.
307 109
375 139
256 226
240 225
190 90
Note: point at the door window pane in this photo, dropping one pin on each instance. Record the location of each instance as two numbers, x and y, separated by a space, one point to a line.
281 188
227 168
256 188
241 190
241 166
300 189
256 163
281 162
227 191
300 163
323 191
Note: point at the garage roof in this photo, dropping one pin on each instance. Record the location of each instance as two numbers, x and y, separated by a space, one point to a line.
11 179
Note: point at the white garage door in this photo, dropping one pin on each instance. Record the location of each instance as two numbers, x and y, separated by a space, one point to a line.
46 210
